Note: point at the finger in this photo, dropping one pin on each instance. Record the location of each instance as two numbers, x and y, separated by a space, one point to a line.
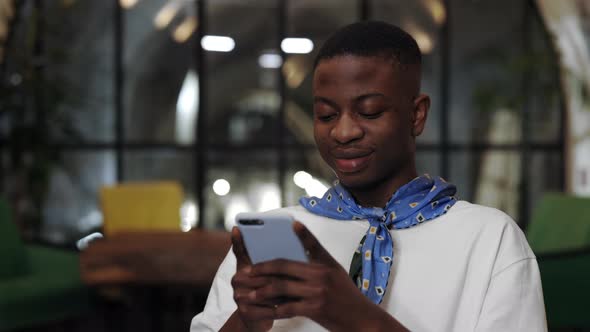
256 312
311 244
243 297
286 268
294 308
283 288
277 311
244 280
239 249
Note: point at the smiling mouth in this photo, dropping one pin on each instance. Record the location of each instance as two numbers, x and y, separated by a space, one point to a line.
352 165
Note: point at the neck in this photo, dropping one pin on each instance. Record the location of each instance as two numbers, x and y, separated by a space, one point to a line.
379 194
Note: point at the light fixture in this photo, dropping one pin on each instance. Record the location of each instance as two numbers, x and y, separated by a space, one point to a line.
237 203
302 179
127 3
187 108
316 188
188 215
221 187
437 10
270 60
297 45
218 43
311 185
269 197
424 41
295 69
166 14
183 32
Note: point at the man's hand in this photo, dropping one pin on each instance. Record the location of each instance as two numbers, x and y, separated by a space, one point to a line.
320 290
243 284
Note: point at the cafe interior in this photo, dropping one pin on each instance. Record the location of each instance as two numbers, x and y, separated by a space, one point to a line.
133 131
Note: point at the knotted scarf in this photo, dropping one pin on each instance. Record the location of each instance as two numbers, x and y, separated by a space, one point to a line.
420 200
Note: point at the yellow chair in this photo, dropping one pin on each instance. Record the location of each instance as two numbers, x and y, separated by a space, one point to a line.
141 206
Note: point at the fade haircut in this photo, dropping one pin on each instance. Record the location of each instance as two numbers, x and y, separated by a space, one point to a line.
372 39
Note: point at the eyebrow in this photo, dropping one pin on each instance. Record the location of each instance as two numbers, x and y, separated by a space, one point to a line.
318 99
367 96
357 99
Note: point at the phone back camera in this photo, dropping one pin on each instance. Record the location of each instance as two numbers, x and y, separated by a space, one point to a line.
251 222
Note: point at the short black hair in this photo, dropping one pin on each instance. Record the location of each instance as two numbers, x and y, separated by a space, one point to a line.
371 38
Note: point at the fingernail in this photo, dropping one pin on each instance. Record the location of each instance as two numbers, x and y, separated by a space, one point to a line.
252 295
248 269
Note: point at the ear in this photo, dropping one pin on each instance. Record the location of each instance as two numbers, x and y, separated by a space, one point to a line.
420 114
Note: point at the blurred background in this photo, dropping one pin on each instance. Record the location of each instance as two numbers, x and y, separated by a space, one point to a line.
168 117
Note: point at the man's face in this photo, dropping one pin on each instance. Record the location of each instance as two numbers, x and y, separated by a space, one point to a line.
364 119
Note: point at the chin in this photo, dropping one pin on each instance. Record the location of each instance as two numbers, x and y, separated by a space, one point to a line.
357 182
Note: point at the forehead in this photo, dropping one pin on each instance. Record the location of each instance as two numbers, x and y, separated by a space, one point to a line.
358 71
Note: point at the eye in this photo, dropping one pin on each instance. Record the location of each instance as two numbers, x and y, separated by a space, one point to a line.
326 117
371 114
324 113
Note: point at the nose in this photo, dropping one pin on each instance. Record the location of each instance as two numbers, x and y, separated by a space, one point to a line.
346 129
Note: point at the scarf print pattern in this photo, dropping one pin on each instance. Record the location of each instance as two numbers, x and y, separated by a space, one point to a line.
420 200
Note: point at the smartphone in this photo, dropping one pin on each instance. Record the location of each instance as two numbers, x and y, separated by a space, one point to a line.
269 236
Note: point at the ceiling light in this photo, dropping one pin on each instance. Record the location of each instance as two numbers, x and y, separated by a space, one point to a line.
127 3
217 43
270 60
295 69
315 188
424 41
437 10
165 15
183 32
302 179
269 197
221 187
188 215
297 45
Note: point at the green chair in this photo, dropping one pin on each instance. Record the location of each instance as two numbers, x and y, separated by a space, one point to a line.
38 285
559 234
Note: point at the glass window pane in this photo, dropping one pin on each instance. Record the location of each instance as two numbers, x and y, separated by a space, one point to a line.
490 178
161 84
240 182
158 165
242 97
422 20
316 21
543 176
161 165
545 119
72 97
79 92
486 81
428 162
16 81
71 208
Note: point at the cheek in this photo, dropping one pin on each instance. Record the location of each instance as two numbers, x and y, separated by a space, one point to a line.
320 135
317 137
392 140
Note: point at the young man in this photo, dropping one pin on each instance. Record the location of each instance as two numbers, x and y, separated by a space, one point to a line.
463 267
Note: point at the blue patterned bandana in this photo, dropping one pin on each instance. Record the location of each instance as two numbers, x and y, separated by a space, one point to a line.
422 199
